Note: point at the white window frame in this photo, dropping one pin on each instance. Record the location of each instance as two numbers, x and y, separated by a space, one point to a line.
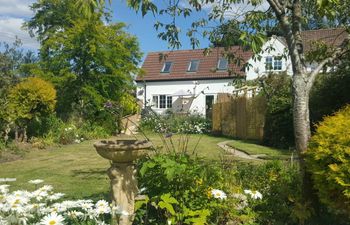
273 63
157 104
218 66
163 69
190 65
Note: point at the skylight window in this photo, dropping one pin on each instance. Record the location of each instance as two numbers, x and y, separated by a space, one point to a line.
193 66
166 67
222 64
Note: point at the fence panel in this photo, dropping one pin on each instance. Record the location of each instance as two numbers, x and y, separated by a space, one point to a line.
239 117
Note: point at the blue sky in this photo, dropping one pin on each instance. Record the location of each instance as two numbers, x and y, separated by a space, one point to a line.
13 13
142 27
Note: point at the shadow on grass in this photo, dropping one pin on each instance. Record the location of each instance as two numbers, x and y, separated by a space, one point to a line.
98 196
88 173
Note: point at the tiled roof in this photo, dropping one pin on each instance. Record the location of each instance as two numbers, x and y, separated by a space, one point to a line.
331 37
180 61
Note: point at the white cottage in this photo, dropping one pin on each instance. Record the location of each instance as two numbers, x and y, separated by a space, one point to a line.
189 81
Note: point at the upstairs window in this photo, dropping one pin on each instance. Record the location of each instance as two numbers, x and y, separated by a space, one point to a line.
273 63
193 66
268 63
166 67
222 64
277 63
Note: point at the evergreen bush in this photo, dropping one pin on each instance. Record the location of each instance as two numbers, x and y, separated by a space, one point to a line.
328 159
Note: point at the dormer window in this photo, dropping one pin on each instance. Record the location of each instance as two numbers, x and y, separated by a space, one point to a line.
166 67
193 66
222 64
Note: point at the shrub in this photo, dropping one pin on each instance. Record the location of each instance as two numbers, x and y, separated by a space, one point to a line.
32 98
328 159
189 124
280 186
278 129
185 190
330 93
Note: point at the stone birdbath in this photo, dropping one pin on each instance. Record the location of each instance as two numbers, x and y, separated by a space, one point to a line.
122 153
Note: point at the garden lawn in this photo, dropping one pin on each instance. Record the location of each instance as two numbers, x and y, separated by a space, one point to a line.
77 170
264 152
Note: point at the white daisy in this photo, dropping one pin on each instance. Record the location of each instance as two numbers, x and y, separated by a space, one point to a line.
52 219
75 214
254 194
55 196
102 203
4 188
218 194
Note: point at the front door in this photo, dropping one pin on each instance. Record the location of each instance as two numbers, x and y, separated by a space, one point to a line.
209 100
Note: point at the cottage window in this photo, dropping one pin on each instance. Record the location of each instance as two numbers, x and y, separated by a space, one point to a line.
222 64
193 66
155 101
162 101
273 63
268 63
169 102
166 67
277 63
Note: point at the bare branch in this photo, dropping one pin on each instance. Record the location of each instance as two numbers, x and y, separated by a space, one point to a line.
276 6
338 53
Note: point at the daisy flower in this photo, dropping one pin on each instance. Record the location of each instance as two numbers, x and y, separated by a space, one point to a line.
4 188
52 219
218 194
254 194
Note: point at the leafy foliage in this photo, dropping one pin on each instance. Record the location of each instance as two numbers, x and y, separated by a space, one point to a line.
172 123
12 61
179 190
89 62
280 186
330 93
328 161
278 129
31 99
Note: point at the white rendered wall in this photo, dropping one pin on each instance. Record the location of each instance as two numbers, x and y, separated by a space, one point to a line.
200 90
258 69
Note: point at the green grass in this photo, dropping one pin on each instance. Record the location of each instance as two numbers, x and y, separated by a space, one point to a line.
203 145
78 171
252 148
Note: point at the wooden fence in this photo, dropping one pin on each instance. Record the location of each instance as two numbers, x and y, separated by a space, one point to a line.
239 116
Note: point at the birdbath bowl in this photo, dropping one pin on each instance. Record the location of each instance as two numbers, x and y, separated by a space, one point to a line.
122 153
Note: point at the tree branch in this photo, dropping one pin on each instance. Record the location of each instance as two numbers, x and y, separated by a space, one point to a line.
338 53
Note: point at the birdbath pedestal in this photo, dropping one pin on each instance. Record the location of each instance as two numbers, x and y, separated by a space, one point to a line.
123 153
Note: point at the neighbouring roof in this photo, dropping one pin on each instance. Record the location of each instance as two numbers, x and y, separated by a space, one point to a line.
180 61
331 37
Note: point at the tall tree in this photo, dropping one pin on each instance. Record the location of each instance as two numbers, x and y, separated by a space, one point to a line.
12 61
89 62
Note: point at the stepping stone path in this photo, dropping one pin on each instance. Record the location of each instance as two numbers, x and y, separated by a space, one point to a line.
238 153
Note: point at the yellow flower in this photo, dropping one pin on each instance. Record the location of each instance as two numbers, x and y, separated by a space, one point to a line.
199 181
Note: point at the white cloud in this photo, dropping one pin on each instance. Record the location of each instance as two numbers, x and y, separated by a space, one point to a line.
15 8
12 27
13 15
